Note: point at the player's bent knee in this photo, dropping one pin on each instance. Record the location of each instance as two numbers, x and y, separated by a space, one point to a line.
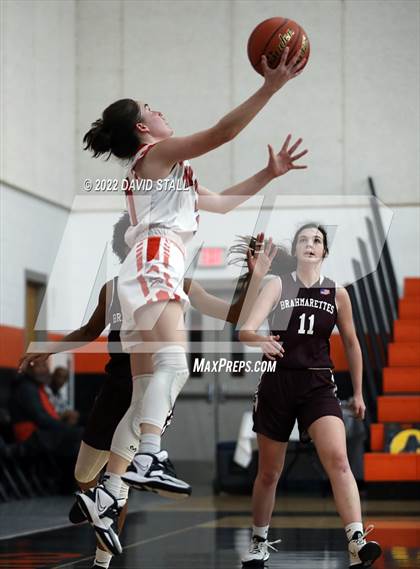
170 375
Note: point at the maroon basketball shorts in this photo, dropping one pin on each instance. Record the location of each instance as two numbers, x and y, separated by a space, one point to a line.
110 405
289 394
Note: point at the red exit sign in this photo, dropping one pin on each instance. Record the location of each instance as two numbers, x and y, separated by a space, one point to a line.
212 257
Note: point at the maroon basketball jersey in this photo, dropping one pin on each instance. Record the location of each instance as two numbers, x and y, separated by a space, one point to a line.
304 319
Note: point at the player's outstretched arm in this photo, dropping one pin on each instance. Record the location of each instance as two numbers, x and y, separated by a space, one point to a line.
347 331
278 164
175 149
262 308
84 335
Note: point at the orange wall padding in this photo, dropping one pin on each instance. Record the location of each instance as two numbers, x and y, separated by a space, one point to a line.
404 354
12 345
399 409
376 437
338 354
12 348
85 362
412 286
385 467
407 331
396 533
409 308
401 379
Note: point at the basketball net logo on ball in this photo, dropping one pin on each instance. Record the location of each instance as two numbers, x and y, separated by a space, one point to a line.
270 39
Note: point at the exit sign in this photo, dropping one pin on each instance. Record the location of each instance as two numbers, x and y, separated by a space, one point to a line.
212 257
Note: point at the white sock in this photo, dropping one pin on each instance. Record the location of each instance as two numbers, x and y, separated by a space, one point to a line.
260 531
124 491
112 483
149 443
350 529
103 558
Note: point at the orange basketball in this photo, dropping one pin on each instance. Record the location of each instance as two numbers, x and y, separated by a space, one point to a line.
271 37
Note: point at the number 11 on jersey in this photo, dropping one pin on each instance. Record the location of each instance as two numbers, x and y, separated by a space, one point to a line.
302 319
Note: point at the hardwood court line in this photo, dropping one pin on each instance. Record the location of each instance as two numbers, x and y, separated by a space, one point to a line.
137 543
310 522
35 531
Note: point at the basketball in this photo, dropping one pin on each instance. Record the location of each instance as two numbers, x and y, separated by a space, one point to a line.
270 38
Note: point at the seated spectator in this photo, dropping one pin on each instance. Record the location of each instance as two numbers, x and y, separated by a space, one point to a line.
38 425
59 378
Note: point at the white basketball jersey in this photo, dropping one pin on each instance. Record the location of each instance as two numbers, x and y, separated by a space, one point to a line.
169 203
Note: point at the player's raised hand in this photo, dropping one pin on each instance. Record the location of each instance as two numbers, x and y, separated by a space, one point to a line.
280 163
275 78
259 260
271 347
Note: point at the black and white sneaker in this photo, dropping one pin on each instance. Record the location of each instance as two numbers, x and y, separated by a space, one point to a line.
76 515
155 472
102 511
363 553
258 553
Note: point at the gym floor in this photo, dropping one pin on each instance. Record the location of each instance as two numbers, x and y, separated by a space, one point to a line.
210 532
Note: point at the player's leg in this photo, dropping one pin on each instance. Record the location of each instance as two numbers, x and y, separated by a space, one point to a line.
89 464
152 399
271 455
329 436
110 406
150 469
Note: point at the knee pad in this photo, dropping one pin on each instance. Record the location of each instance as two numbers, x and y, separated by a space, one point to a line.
169 377
90 462
127 435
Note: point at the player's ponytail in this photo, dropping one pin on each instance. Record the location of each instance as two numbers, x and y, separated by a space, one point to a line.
115 133
282 263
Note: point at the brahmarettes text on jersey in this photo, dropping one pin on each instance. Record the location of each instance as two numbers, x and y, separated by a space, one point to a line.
308 303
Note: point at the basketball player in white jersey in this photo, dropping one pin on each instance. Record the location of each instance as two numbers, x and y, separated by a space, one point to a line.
114 396
163 199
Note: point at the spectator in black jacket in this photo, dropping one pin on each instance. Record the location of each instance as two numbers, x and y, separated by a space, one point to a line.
37 424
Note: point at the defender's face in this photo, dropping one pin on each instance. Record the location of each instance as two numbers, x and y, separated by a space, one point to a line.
310 246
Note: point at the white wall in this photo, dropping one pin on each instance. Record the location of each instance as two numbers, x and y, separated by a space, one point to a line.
31 234
356 104
38 97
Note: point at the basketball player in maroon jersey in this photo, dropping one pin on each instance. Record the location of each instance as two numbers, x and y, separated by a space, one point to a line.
302 308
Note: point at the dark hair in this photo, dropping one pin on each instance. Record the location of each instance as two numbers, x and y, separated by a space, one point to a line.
119 245
309 225
115 132
282 263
